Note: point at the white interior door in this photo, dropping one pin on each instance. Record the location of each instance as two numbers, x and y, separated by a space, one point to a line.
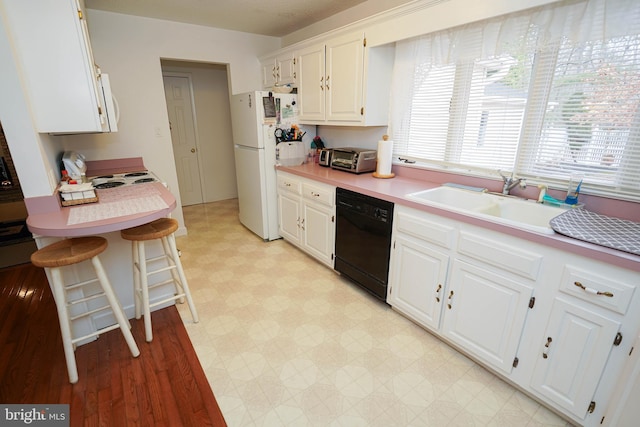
177 90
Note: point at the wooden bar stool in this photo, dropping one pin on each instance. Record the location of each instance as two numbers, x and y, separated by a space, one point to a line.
73 251
162 229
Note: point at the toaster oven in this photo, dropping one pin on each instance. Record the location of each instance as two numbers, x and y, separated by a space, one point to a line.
354 160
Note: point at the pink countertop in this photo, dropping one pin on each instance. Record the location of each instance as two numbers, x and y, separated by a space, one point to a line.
408 181
56 223
48 218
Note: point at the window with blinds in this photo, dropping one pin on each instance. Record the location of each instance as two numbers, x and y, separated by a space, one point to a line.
545 94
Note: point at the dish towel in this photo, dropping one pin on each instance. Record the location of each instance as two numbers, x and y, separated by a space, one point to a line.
602 230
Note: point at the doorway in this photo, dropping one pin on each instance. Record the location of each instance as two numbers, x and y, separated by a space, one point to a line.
197 96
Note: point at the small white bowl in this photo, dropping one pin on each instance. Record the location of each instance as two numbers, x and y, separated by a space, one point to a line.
282 89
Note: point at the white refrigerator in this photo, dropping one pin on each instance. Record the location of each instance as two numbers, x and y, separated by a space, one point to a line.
255 116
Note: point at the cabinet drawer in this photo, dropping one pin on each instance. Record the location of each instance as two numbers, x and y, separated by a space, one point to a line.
286 183
414 224
508 257
318 193
606 292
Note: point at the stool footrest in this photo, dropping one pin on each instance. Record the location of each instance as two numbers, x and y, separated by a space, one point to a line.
80 284
173 298
96 333
161 270
86 298
165 282
90 312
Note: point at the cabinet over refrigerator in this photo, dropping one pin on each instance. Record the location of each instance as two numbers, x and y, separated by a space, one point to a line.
255 117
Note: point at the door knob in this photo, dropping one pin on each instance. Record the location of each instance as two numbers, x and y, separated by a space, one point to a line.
193 150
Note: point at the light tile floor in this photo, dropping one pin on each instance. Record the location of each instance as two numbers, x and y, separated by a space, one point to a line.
285 341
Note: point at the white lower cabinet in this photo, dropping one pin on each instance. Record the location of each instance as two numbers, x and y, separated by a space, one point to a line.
306 211
318 230
290 212
559 326
480 308
588 338
485 313
418 276
573 354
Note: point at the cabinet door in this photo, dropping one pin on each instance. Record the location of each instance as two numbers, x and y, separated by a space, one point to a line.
54 54
485 313
418 276
269 73
318 231
343 81
311 83
285 69
290 217
573 354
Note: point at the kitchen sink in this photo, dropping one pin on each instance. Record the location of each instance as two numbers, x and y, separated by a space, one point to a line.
453 198
508 210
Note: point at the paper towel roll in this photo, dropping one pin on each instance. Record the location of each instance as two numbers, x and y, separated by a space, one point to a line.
385 153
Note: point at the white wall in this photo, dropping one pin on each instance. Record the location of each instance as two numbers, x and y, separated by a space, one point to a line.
213 127
30 151
129 49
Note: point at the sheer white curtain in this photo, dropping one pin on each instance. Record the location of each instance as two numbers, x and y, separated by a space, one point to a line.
546 92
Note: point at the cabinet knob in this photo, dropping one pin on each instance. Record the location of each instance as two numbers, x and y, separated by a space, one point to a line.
438 292
545 351
450 300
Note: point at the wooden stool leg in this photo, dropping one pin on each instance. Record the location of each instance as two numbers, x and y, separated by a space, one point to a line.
115 306
183 278
174 273
144 285
137 297
65 325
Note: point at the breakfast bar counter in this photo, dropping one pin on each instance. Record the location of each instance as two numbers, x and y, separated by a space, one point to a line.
117 209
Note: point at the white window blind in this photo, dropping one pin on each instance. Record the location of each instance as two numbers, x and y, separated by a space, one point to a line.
544 93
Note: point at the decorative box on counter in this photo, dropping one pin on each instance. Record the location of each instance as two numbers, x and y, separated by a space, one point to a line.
77 194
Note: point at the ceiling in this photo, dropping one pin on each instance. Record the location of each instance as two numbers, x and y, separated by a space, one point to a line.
267 17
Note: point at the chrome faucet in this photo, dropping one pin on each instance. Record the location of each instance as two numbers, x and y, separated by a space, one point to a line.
510 182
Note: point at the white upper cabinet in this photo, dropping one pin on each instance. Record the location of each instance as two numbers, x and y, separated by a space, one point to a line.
66 90
311 85
335 82
279 70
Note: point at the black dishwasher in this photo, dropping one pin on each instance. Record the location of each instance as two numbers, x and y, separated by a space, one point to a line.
363 240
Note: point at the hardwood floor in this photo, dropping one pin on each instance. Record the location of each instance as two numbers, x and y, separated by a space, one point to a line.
165 385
